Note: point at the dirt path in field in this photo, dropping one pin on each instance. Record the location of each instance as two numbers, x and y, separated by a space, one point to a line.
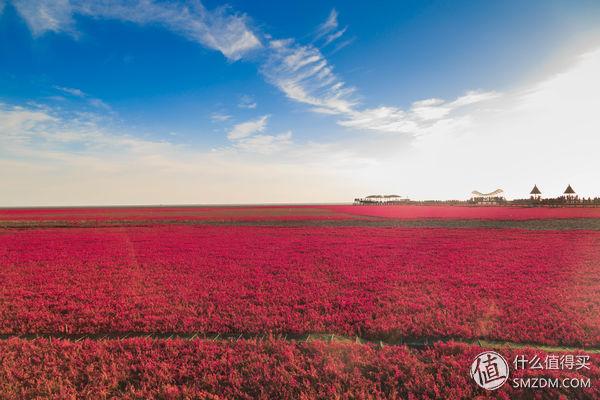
327 337
375 222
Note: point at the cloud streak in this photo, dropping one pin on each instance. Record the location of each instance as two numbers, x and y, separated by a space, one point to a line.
72 91
418 119
247 102
78 93
46 16
37 129
328 31
248 128
248 136
330 24
218 29
303 74
220 117
265 144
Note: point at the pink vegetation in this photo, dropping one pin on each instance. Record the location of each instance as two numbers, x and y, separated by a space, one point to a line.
373 282
245 213
290 213
177 369
463 212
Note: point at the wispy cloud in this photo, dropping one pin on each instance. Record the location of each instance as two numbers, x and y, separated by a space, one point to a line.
334 36
330 24
421 115
220 117
303 74
46 15
265 144
328 31
219 29
249 136
382 119
342 45
99 104
248 128
72 91
42 131
247 102
15 120
94 102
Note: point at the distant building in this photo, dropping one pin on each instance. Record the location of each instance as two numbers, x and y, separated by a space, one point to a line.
494 197
535 193
570 193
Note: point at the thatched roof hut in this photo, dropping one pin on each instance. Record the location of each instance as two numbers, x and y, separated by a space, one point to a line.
569 190
535 190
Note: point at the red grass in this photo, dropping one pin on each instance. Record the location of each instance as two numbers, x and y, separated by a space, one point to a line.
375 282
176 369
464 212
246 213
290 213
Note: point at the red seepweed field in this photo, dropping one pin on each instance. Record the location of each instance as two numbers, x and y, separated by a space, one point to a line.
470 212
293 212
336 304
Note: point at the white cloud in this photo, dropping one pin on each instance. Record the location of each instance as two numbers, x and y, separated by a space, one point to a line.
249 137
329 25
220 117
304 75
342 45
39 128
218 29
94 102
72 91
248 128
421 116
383 119
99 104
46 16
14 118
328 31
430 109
334 36
265 144
472 97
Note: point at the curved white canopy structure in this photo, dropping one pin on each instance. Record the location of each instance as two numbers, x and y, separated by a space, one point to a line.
495 193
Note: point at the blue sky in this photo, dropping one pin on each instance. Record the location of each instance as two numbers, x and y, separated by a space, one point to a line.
301 101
